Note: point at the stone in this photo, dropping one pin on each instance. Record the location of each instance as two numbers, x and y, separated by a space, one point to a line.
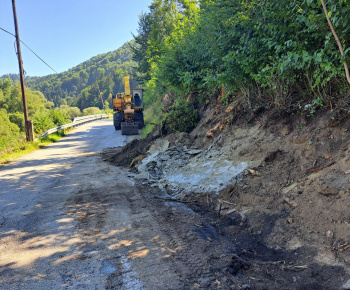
165 157
346 285
159 145
329 234
180 148
194 151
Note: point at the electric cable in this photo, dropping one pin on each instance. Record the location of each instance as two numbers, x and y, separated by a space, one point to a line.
30 50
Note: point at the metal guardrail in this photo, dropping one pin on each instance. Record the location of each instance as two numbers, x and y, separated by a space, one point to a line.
76 122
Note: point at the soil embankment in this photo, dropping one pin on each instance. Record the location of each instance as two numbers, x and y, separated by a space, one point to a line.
276 187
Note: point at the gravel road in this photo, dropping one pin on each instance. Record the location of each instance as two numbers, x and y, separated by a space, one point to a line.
70 220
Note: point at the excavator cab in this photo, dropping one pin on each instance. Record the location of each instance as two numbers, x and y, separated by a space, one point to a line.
137 98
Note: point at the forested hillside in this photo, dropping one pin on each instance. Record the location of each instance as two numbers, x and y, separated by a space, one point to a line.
259 54
83 85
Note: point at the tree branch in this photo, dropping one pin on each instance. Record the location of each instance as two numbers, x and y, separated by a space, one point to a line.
337 40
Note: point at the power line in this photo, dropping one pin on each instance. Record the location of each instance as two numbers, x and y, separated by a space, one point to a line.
30 50
8 32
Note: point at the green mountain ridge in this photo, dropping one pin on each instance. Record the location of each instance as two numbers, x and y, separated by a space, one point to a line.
85 84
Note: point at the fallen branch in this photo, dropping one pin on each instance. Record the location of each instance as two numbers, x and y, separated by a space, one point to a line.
335 124
290 202
313 170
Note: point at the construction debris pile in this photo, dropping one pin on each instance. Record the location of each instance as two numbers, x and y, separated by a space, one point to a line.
181 170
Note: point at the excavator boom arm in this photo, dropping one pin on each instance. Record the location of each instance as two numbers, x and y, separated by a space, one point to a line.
127 86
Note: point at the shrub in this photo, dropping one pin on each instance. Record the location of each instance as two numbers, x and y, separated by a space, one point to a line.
8 131
182 117
91 111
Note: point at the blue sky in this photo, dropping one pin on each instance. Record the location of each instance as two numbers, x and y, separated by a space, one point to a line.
65 33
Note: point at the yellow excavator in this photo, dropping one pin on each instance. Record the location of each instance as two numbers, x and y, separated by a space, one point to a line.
128 110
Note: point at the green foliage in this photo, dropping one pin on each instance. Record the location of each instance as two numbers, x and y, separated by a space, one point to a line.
152 116
42 122
182 117
91 111
57 118
48 119
22 147
82 85
8 131
18 119
274 52
69 112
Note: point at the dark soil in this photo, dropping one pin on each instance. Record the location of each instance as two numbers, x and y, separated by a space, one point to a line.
230 253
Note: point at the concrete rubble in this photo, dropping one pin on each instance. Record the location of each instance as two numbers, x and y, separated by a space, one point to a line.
181 170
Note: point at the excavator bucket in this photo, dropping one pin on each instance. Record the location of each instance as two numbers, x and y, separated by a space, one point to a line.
128 129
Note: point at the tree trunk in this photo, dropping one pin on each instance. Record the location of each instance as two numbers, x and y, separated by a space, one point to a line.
337 40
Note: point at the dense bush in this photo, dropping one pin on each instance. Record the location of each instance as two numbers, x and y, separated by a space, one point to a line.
8 131
269 52
91 111
181 117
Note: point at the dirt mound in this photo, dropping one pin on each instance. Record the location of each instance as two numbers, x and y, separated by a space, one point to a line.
123 156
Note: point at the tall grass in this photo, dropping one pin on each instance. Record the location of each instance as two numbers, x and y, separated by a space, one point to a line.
22 147
152 117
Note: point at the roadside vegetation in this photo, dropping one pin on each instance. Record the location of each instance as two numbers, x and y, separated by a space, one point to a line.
275 55
22 147
43 113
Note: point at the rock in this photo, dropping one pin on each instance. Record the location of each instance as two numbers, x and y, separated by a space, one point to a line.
346 285
245 286
329 234
294 244
164 157
172 148
194 151
180 148
159 145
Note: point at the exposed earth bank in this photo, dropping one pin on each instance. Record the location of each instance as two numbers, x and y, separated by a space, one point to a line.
275 188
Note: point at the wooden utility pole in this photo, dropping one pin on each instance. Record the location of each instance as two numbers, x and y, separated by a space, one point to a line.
28 123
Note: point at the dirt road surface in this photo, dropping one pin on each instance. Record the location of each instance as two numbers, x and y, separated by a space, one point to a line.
70 220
